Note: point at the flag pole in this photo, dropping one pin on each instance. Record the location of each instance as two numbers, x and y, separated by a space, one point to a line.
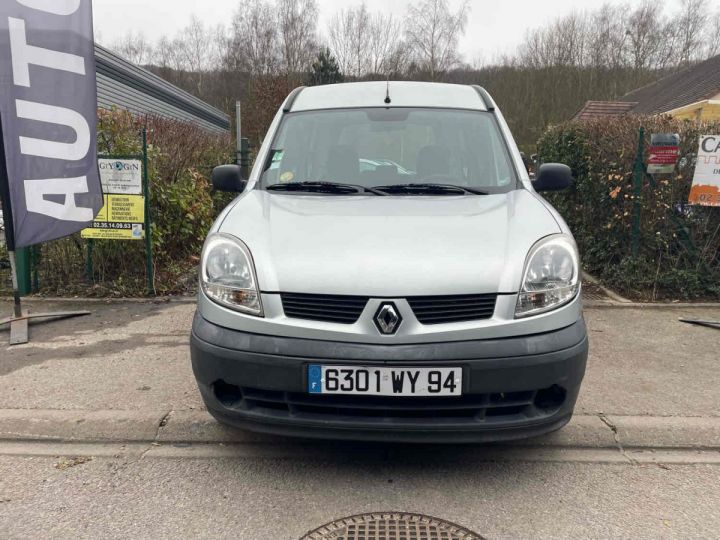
8 224
17 304
19 320
15 330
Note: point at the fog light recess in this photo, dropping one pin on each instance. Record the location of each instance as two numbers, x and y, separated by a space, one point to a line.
550 398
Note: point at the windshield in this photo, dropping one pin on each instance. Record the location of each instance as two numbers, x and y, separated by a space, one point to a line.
390 147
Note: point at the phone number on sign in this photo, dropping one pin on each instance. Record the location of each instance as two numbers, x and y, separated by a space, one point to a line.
109 225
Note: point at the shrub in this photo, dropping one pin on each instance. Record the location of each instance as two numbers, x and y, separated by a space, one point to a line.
182 209
679 255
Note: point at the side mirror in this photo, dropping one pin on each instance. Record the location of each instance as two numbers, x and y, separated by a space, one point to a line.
553 177
228 178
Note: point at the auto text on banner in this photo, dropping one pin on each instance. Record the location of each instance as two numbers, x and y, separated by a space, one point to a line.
48 107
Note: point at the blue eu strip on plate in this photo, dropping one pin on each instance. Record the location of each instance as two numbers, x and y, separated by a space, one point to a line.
314 379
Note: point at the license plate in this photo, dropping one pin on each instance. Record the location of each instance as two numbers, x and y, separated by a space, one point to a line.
385 381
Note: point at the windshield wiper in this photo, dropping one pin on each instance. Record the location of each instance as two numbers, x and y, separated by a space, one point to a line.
433 189
325 187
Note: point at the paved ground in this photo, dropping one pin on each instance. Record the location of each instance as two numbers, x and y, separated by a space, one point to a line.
641 460
642 361
268 499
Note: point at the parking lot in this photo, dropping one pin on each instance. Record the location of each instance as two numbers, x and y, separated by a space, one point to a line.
133 453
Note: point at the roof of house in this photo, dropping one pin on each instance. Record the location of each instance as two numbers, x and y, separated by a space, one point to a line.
598 109
690 85
693 84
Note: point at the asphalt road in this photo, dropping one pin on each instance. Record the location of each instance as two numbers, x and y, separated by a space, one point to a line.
259 498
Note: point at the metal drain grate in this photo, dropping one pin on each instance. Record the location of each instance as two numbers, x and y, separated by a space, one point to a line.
391 526
593 292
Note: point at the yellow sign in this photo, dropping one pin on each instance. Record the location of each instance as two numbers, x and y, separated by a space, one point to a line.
121 218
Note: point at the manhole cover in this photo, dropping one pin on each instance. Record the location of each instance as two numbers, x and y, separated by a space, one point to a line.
391 526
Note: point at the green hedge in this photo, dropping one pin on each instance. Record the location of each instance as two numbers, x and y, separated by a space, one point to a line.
679 255
182 209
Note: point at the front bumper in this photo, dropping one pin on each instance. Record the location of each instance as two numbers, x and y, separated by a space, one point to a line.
513 387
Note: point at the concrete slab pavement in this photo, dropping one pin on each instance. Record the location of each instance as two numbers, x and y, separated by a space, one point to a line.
124 374
263 498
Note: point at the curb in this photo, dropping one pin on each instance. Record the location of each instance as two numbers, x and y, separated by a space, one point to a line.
609 304
90 426
198 427
178 299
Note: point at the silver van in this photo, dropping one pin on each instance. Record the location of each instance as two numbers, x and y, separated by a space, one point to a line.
389 272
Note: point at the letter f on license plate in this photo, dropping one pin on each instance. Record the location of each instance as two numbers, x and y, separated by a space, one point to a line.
385 381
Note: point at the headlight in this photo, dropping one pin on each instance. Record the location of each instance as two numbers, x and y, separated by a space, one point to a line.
227 274
551 277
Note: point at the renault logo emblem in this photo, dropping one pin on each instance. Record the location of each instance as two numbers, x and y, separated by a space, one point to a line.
387 318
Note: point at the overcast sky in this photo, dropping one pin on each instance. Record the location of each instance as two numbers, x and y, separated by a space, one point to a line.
495 26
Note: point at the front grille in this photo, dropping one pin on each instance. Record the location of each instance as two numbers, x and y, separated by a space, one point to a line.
470 408
457 308
324 307
427 309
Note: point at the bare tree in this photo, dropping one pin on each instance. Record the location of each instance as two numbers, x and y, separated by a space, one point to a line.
165 55
253 42
339 31
432 32
387 50
134 48
571 42
366 43
562 43
297 25
196 48
645 35
567 41
712 35
350 38
608 37
688 28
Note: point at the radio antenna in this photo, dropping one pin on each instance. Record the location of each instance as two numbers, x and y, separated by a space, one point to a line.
387 93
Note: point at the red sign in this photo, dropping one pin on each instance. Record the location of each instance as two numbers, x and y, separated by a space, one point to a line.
663 155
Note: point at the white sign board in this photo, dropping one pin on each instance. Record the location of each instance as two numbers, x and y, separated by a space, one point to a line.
121 176
706 182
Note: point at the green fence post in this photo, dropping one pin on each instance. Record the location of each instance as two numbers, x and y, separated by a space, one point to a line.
23 265
148 237
89 270
36 250
639 173
245 157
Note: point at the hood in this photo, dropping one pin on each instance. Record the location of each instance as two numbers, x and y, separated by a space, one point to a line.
389 246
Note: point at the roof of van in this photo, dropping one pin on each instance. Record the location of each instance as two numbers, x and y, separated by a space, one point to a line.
402 94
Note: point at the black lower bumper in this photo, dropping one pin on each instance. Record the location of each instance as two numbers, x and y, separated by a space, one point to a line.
513 387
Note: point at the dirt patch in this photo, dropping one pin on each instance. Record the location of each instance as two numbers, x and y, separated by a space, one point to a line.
68 463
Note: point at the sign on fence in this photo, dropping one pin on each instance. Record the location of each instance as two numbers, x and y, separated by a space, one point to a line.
706 182
663 153
121 176
123 215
